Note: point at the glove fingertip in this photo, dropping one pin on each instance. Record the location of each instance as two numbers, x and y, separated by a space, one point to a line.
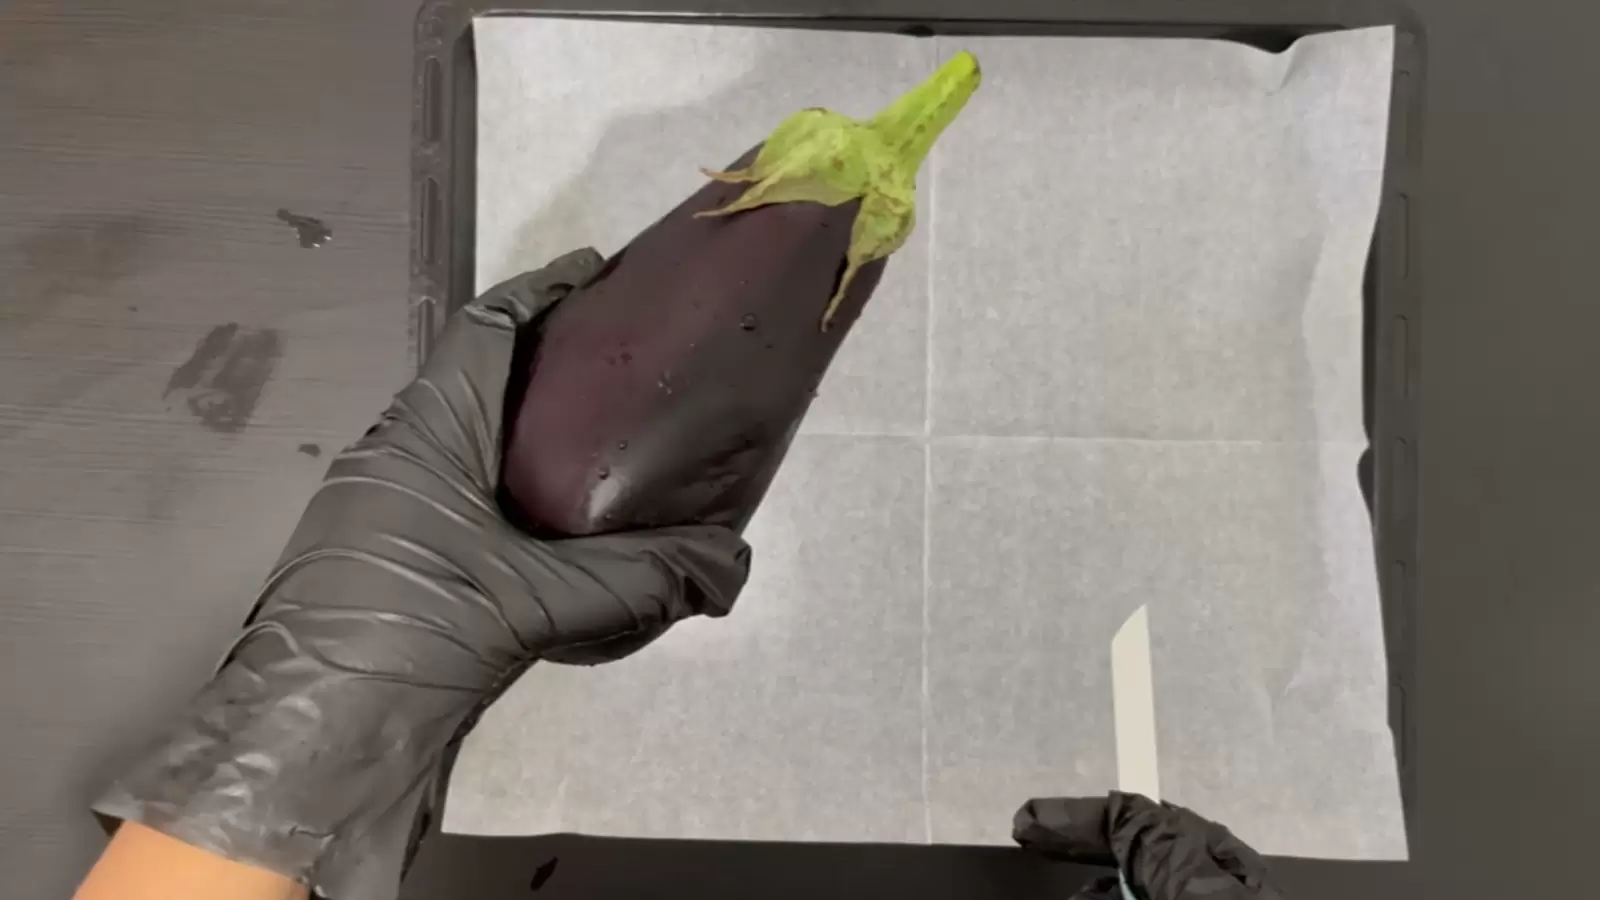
523 297
572 268
715 564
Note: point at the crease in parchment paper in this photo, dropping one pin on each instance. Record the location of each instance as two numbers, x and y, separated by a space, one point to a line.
1118 365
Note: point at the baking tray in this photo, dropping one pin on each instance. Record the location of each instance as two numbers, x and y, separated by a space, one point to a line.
444 184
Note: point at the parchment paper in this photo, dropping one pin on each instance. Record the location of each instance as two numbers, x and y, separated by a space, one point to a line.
1117 367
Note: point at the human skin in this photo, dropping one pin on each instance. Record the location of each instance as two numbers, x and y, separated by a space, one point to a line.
141 863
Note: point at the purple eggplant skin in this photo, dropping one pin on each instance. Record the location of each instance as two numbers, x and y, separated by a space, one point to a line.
666 391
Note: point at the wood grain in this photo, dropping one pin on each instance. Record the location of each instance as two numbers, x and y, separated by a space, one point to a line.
146 150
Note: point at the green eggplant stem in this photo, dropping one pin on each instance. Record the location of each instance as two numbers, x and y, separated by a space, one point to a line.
821 156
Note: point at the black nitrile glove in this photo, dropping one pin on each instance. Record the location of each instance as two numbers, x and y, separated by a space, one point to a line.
402 605
1161 851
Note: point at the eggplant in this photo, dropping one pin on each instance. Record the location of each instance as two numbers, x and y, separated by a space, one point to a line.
667 389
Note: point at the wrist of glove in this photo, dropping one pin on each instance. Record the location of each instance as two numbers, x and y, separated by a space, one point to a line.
403 603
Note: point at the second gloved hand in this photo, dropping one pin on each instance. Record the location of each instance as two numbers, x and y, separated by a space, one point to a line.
402 605
1161 851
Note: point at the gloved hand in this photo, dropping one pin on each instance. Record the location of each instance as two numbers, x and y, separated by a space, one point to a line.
403 604
1161 851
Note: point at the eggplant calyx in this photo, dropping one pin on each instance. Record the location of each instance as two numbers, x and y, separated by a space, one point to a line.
821 156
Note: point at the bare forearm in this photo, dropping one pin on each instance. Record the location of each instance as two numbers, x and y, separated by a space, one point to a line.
141 863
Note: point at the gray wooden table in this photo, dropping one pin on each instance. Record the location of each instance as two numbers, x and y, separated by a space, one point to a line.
176 366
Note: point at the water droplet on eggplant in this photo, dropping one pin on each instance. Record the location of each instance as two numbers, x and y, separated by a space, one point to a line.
749 322
622 445
604 473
